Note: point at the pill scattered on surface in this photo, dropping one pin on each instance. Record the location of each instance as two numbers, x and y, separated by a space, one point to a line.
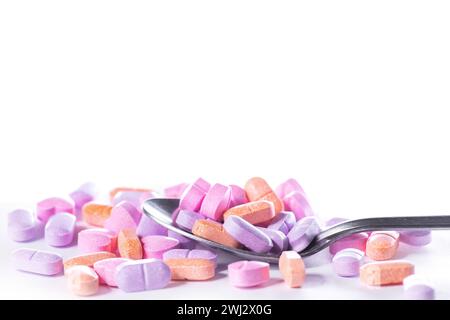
292 269
417 288
382 245
87 259
284 222
355 241
238 196
60 228
37 261
156 246
186 219
48 207
191 268
96 239
193 195
96 214
123 216
82 280
385 272
106 270
297 203
245 274
129 244
346 263
216 202
21 225
417 238
141 275
288 186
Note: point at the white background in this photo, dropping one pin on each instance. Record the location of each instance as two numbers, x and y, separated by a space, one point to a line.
350 97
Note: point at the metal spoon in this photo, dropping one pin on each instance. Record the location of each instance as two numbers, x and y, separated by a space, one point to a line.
161 211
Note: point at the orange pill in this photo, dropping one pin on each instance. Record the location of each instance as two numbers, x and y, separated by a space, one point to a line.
292 269
213 231
191 269
382 245
129 244
254 212
115 191
96 214
258 189
87 259
82 280
385 272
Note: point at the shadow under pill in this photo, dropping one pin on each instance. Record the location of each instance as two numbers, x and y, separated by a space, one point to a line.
313 280
175 283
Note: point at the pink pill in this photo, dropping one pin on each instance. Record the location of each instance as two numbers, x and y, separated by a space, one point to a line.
155 246
245 274
21 226
346 263
193 195
134 197
35 261
416 238
185 219
184 243
48 207
287 187
175 191
297 203
237 196
283 222
123 216
93 240
355 241
106 270
60 229
190 254
216 202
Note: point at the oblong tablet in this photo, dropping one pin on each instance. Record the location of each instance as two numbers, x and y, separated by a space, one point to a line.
247 234
36 261
60 229
248 273
123 216
190 254
191 268
87 259
238 196
255 212
141 275
258 189
214 231
280 241
82 280
129 244
284 222
149 227
185 219
385 272
288 186
193 195
21 225
355 241
298 204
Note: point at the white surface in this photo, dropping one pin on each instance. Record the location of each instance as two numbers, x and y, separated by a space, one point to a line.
349 97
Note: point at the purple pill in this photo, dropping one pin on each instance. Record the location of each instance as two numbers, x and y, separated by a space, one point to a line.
35 261
279 240
334 221
60 229
21 225
416 288
283 222
303 233
186 219
184 243
247 234
141 275
346 263
149 227
416 238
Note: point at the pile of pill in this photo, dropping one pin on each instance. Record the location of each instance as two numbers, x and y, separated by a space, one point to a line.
119 246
